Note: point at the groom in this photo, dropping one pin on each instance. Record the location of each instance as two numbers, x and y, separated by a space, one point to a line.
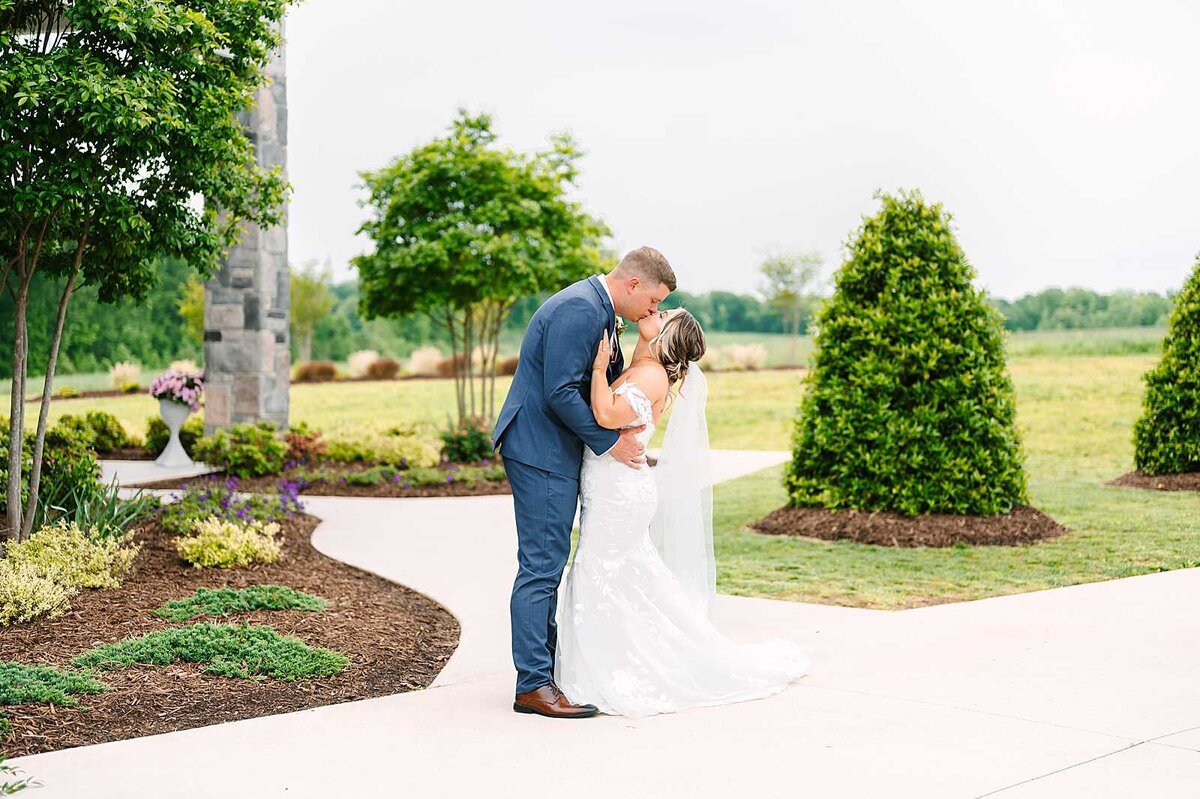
542 429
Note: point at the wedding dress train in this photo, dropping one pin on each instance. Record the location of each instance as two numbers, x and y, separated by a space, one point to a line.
631 639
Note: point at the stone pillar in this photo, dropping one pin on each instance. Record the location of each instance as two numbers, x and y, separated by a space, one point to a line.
247 365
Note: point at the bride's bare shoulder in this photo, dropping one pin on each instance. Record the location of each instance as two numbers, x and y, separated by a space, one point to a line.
652 379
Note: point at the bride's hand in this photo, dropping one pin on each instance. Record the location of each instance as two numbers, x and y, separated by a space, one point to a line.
602 356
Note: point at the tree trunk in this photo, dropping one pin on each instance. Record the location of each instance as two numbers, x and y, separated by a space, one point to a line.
35 472
16 427
305 346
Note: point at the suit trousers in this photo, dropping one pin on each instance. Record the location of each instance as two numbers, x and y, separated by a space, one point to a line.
545 509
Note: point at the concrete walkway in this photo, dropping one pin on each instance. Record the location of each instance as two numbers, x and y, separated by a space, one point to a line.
1088 691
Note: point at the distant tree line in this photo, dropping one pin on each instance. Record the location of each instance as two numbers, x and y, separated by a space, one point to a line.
1082 309
157 331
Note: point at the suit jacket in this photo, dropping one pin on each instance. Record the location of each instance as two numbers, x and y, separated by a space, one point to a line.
547 417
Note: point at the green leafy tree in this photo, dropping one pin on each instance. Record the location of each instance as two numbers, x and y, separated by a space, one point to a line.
1167 436
909 407
463 229
311 301
790 288
120 143
191 308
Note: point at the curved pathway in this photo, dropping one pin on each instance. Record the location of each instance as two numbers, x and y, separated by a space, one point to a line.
1084 691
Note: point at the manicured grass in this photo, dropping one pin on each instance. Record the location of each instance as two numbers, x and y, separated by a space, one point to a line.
20 683
1076 417
227 601
226 650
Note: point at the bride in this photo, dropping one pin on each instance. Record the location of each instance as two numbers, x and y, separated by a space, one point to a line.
634 635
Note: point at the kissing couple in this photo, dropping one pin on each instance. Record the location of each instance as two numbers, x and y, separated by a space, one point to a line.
632 634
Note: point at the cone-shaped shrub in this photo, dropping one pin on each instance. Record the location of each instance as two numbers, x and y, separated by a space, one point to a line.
1167 437
909 407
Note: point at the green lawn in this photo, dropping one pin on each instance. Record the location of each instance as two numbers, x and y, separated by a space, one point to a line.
1076 417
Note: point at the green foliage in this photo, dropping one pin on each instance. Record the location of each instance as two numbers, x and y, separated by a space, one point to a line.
399 450
1167 436
463 228
190 304
20 683
226 650
244 450
790 287
227 601
224 543
27 592
76 557
310 301
909 407
468 441
158 434
69 469
1082 309
101 430
101 509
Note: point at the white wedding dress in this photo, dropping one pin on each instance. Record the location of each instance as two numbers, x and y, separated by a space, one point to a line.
631 639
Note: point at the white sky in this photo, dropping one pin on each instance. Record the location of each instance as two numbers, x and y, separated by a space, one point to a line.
1062 134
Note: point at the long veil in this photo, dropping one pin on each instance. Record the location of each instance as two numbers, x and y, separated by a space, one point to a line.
682 526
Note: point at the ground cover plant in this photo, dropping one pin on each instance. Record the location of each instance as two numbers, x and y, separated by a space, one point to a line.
20 683
226 650
228 601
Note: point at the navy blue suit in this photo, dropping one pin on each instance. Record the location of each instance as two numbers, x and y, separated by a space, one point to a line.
542 429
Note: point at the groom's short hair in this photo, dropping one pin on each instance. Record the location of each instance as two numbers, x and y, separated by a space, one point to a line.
648 264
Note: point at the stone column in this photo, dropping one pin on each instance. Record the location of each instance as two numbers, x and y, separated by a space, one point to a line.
247 365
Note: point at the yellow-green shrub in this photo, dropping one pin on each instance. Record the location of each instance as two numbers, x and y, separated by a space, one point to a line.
224 543
401 451
75 557
27 592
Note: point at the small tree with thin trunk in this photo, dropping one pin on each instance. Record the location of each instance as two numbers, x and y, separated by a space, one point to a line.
789 289
463 229
119 143
311 301
1167 436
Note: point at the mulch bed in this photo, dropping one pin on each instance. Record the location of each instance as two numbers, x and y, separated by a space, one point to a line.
397 641
1187 481
1024 525
270 485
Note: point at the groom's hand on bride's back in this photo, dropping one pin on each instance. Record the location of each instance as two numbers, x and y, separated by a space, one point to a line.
628 450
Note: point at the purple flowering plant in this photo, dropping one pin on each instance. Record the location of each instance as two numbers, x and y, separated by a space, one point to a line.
217 496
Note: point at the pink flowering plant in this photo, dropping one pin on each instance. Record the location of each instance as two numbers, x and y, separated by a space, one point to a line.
179 387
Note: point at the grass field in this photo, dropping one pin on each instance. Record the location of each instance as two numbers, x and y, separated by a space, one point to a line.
1075 413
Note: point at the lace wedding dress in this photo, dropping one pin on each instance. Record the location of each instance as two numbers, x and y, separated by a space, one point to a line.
631 640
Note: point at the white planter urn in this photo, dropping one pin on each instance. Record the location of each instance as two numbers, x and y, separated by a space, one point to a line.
174 414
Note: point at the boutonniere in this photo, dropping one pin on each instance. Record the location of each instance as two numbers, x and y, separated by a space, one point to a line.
620 325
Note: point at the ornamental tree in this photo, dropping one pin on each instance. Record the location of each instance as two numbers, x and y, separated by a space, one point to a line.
120 141
462 229
1167 436
909 407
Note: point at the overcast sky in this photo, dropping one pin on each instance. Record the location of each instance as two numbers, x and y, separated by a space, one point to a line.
1064 136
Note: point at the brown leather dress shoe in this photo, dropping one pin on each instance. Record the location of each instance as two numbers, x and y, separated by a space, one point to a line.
549 701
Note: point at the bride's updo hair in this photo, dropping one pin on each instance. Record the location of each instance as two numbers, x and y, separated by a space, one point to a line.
680 342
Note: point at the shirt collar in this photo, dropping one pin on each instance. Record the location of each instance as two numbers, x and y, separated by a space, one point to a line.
607 292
